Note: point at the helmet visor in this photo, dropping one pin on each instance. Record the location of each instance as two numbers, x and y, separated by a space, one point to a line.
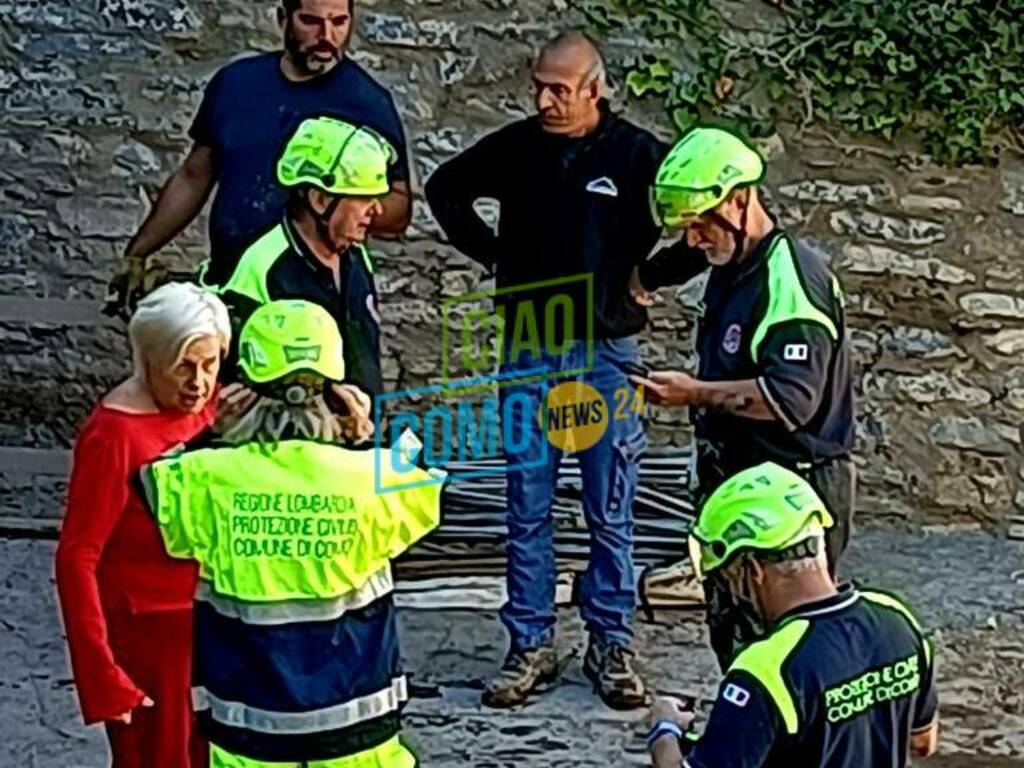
677 207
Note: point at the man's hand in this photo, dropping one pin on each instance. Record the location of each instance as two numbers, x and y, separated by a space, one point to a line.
667 708
673 388
179 202
350 400
925 742
396 212
669 388
233 402
133 283
353 407
126 718
136 281
666 750
125 289
637 292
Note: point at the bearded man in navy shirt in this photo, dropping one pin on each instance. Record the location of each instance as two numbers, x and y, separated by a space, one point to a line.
248 111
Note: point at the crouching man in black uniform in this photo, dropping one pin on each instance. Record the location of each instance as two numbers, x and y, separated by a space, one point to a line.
842 678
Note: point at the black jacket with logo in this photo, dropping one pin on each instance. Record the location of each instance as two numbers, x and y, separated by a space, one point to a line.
568 207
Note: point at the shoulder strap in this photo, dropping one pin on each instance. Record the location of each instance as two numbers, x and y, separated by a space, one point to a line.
889 600
367 259
764 660
787 299
250 276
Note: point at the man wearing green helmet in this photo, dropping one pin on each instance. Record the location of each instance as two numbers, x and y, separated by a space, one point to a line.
838 678
337 174
774 380
296 660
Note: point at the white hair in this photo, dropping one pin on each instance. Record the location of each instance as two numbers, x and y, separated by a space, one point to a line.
597 74
819 561
169 319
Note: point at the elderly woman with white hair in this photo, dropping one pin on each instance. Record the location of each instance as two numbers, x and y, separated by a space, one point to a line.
126 604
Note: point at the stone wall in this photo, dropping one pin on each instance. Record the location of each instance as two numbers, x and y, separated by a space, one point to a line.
97 95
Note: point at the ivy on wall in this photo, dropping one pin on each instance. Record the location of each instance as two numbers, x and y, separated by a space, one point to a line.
948 72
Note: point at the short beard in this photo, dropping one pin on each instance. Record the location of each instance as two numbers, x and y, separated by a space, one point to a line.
301 59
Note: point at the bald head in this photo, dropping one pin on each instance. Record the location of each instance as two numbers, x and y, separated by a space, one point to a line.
569 78
576 53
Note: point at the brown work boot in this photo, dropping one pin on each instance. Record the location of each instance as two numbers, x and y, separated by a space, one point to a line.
610 668
522 673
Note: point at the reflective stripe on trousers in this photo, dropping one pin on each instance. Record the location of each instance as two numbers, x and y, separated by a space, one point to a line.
239 715
391 754
292 611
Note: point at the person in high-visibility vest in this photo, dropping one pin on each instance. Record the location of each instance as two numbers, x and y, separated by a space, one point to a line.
296 658
337 176
840 676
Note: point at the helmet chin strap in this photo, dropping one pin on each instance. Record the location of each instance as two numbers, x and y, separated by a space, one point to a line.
751 593
752 617
739 234
322 221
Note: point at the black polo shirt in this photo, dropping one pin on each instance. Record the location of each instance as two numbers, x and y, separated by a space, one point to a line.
840 683
280 266
777 318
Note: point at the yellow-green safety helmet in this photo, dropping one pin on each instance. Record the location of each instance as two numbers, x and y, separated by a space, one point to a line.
766 508
337 157
700 172
284 337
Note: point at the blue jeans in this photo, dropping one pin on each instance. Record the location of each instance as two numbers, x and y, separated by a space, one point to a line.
609 473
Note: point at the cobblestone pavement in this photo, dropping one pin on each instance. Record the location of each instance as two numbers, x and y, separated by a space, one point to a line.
968 587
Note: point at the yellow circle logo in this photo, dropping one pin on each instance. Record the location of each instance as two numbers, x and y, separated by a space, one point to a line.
574 416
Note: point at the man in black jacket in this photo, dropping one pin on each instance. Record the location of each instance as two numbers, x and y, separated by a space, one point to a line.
572 185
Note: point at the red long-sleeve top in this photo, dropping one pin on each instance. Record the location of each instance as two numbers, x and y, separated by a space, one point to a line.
111 561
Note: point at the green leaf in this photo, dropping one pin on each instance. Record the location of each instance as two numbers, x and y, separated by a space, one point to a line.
640 83
950 71
684 118
661 69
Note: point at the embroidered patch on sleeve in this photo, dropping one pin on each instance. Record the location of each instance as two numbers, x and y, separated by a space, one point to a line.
733 338
736 695
795 353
